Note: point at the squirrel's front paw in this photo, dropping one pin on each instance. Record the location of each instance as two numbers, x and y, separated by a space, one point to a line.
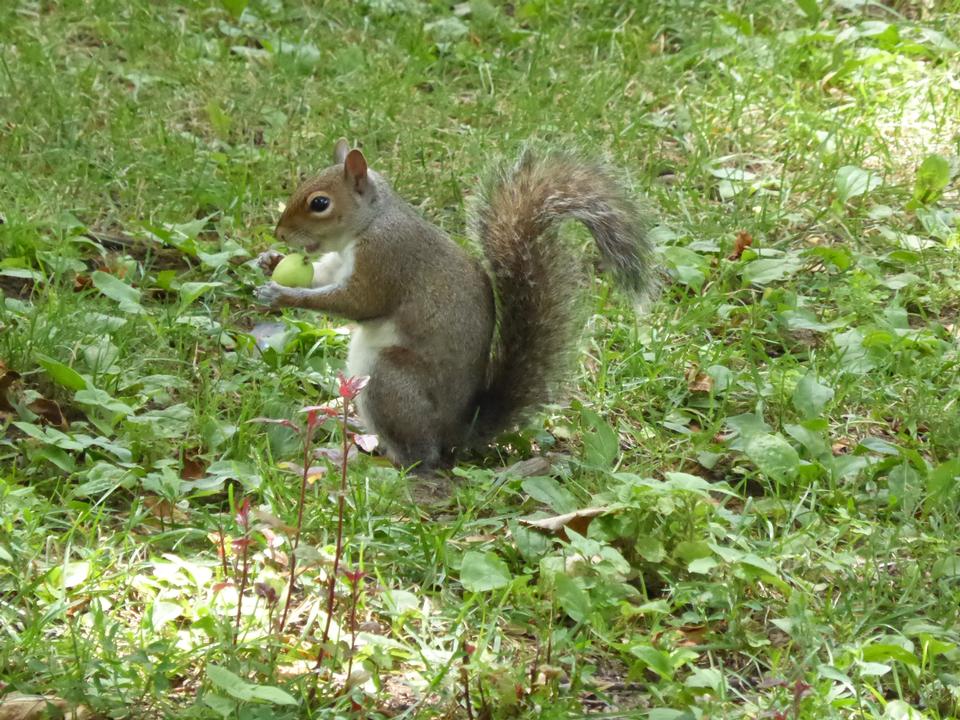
272 295
268 260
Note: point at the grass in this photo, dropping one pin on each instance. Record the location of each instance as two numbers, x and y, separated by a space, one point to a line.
774 444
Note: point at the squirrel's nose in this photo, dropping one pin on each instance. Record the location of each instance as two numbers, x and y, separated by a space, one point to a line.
280 233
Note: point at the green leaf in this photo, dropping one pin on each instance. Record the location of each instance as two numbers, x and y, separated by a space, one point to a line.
810 437
550 493
871 669
103 478
758 567
944 479
103 400
747 425
272 695
705 678
235 7
668 714
764 271
230 250
237 687
933 176
654 659
446 30
836 255
532 544
773 455
60 373
900 710
650 548
810 397
398 602
480 572
572 598
601 444
691 267
702 566
689 550
190 291
115 289
162 612
810 8
74 573
890 651
946 567
225 707
854 357
231 683
852 181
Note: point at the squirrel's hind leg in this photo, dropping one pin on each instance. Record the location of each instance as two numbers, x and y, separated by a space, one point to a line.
400 406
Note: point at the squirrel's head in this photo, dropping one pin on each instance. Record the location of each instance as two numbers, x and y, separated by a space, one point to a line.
326 212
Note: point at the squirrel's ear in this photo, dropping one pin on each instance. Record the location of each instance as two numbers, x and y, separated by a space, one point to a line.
340 150
355 170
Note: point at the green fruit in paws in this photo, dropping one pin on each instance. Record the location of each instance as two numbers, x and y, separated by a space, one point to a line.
293 271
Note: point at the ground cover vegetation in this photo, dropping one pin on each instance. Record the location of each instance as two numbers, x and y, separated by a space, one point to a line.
744 506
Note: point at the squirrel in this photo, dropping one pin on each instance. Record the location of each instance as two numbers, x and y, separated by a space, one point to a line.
456 353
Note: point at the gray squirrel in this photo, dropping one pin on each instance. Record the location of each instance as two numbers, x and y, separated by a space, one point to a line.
456 353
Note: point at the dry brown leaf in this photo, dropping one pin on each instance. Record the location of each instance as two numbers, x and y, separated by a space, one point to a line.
578 521
272 521
742 242
531 467
314 472
192 467
7 378
17 706
49 412
82 282
698 381
842 446
479 538
163 509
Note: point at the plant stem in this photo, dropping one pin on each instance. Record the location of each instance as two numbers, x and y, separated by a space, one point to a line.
353 624
341 499
307 442
243 585
465 679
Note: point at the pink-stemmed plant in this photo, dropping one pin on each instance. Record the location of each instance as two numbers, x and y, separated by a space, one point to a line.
349 389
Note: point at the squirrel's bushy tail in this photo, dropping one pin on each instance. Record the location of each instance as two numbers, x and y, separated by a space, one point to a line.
537 279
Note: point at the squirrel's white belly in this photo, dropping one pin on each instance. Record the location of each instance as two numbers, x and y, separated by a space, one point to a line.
368 339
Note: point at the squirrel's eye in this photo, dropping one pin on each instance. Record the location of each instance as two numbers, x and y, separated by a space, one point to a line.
319 203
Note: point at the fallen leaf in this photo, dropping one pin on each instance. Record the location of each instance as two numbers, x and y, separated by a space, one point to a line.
578 521
81 282
335 454
742 242
192 467
367 443
531 467
690 635
7 378
17 706
479 538
842 446
49 412
272 521
314 472
698 381
163 509
78 606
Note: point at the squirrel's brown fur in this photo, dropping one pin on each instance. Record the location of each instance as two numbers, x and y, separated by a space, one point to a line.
456 355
